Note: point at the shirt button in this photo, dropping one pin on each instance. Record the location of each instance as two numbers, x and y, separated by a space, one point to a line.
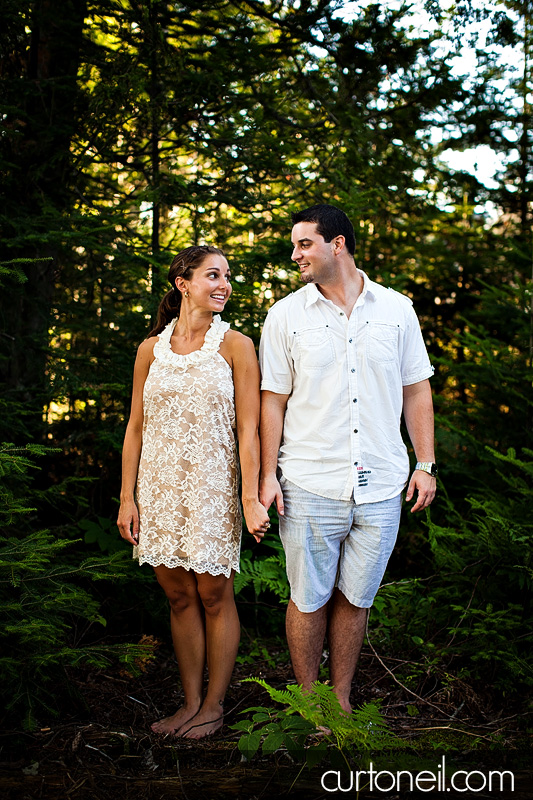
341 313
350 340
353 370
355 399
355 430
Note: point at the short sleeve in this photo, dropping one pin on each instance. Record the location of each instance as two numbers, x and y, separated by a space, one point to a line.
415 363
275 359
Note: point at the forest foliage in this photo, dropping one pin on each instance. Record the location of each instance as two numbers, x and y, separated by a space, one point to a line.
132 128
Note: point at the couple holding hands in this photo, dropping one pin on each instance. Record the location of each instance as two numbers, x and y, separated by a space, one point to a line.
341 360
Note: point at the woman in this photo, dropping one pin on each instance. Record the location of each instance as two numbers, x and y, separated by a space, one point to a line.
193 379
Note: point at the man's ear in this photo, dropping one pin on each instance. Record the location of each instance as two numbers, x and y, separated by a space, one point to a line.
338 244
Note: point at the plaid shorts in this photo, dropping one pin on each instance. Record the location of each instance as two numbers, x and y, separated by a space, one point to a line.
335 543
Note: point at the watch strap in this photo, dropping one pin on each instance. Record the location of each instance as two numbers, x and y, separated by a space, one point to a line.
427 466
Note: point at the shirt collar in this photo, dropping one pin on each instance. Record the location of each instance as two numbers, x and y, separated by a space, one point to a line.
313 295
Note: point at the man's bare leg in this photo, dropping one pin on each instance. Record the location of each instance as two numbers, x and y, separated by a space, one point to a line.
305 636
346 633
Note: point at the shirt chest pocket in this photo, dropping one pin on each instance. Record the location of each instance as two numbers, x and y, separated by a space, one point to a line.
313 349
381 342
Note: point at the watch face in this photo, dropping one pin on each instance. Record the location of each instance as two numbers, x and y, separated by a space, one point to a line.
434 470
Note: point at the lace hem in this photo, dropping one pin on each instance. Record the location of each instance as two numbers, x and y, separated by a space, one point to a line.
213 338
201 566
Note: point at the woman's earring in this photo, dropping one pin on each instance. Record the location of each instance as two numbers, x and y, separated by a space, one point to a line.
186 294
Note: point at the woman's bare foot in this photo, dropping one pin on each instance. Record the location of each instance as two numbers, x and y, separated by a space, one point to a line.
172 724
205 723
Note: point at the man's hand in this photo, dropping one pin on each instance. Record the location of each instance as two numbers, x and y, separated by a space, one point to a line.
426 485
270 491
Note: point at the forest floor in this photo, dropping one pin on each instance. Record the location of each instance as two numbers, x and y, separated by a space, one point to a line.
103 748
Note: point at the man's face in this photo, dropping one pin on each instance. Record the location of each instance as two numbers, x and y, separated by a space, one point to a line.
313 255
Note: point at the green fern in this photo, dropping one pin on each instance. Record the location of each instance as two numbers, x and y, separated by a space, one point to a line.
264 572
316 712
44 596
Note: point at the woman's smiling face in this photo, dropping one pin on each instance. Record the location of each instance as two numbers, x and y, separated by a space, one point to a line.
209 286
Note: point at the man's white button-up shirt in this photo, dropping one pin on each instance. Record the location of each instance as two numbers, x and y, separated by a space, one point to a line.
344 377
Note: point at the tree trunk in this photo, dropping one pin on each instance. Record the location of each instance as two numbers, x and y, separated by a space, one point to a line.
38 153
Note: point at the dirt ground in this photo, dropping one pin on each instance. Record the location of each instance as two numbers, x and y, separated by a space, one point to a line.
103 747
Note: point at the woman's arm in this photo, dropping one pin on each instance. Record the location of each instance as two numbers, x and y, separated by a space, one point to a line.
128 514
246 383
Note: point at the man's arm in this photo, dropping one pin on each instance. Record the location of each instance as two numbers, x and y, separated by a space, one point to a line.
273 407
418 415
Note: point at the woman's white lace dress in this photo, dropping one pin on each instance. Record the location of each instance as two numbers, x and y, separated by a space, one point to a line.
187 482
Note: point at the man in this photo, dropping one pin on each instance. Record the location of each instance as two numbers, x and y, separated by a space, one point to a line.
341 358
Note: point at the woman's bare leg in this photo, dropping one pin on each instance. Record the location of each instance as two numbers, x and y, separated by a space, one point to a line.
222 641
188 637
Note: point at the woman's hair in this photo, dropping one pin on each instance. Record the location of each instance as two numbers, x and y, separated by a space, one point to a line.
182 266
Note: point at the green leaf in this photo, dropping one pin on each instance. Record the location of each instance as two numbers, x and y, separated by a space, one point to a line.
273 742
249 745
243 725
261 716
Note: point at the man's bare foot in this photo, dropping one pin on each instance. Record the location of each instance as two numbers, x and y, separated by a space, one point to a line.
172 724
344 704
205 723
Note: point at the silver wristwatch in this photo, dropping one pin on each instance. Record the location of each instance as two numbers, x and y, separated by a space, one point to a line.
427 466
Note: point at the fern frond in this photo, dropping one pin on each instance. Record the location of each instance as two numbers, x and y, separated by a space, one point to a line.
363 729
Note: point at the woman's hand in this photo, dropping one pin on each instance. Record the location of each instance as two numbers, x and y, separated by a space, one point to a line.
256 517
128 521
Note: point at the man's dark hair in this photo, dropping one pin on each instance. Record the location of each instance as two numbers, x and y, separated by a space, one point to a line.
330 221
